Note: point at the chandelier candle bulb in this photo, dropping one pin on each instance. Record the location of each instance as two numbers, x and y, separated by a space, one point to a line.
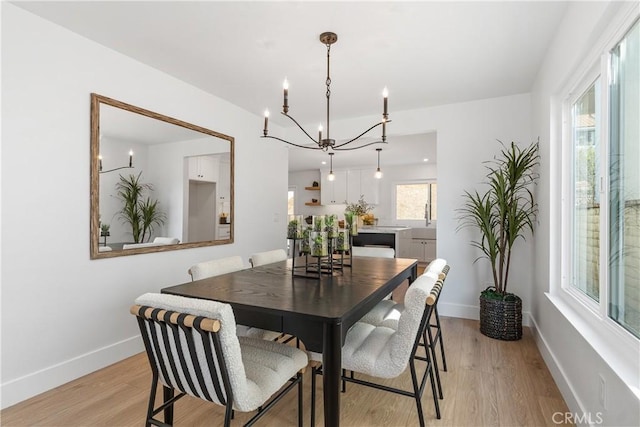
385 96
100 162
266 122
319 133
285 85
130 158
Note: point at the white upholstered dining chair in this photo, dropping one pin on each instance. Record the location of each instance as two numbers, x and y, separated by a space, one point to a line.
217 267
387 313
383 352
373 251
267 257
193 348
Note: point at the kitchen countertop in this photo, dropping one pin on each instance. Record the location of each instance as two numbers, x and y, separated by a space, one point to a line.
382 229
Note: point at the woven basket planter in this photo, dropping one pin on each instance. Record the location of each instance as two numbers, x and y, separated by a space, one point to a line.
501 319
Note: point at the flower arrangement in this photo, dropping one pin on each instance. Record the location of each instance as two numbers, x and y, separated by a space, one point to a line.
359 208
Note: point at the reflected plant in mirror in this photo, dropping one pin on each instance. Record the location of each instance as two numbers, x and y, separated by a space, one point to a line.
159 182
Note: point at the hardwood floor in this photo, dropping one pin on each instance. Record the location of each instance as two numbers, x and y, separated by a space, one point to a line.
488 383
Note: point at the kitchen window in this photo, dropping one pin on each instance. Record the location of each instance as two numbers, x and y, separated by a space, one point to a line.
416 201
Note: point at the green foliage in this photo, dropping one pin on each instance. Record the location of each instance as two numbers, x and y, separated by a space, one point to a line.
140 213
506 211
359 208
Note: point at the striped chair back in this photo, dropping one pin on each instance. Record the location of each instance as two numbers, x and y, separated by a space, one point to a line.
189 348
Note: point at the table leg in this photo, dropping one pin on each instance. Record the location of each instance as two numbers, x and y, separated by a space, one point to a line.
332 368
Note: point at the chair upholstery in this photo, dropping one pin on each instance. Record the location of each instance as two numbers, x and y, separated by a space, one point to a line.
371 251
387 313
158 241
221 266
216 267
268 257
166 240
383 352
203 356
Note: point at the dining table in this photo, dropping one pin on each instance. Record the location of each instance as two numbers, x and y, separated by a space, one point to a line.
318 309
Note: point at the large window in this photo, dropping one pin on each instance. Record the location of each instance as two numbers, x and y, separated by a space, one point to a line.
585 120
417 201
624 183
602 209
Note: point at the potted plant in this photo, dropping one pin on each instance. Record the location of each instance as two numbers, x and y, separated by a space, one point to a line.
503 213
140 213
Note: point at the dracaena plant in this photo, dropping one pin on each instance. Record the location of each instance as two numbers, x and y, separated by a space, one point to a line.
506 211
140 213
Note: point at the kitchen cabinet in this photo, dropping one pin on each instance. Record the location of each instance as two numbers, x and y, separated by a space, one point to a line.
363 183
224 187
403 243
223 231
204 168
424 250
333 192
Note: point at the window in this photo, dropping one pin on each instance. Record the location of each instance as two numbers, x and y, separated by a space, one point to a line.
415 200
585 120
602 210
624 183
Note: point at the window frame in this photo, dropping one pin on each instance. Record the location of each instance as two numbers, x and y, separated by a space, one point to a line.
610 339
394 207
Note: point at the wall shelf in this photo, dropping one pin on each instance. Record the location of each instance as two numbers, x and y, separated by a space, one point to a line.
312 203
312 188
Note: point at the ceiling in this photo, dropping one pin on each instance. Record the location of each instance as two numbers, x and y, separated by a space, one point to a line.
426 53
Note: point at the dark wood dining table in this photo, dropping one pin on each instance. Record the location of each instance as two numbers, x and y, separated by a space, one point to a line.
317 311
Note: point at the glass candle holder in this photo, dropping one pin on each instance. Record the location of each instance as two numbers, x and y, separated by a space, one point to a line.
318 223
318 241
304 243
294 227
331 222
342 240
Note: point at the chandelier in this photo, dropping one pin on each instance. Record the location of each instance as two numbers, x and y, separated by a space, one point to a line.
325 144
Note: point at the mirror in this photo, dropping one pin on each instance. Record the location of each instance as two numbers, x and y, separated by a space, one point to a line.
157 183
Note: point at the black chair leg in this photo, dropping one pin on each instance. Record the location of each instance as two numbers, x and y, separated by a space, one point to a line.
167 393
416 393
152 399
314 372
300 402
444 360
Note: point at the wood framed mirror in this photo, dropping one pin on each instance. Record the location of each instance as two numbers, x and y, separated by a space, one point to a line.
157 183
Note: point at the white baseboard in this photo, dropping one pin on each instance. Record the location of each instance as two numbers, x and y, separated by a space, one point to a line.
471 312
25 387
568 393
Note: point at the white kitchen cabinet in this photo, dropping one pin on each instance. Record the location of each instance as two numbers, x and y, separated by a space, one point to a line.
424 250
363 183
223 231
224 186
204 168
403 243
333 192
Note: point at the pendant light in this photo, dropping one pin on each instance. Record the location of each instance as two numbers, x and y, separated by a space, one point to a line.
378 173
331 176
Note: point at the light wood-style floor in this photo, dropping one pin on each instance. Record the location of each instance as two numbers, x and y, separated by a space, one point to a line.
488 383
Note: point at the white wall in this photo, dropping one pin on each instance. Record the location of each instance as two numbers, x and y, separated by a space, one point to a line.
573 359
64 315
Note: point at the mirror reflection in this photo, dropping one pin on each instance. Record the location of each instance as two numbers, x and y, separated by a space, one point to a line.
157 183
